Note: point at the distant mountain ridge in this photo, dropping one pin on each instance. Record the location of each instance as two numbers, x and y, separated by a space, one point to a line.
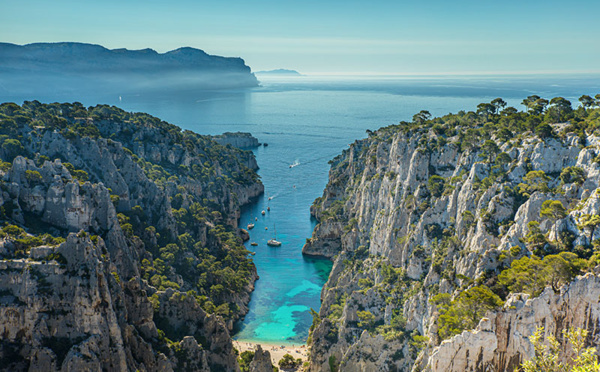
79 56
51 66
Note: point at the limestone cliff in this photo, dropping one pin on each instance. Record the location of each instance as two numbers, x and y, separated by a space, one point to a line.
120 248
419 213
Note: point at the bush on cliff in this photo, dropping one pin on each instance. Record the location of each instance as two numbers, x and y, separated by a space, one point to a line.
465 311
532 274
548 355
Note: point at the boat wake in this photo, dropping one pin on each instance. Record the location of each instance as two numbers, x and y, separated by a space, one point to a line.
295 164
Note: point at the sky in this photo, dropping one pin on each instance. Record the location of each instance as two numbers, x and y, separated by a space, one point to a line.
332 37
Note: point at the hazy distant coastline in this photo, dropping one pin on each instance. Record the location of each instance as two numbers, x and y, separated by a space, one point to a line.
279 72
78 68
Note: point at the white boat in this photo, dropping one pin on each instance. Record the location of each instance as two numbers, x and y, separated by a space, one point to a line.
274 242
263 212
250 226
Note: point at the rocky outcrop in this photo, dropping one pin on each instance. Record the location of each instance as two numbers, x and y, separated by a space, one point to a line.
104 241
241 140
65 311
182 314
261 361
501 343
408 214
325 241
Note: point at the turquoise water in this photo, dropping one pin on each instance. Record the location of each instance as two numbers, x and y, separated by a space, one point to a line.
307 121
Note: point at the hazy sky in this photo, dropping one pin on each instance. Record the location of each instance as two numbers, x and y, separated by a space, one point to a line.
377 36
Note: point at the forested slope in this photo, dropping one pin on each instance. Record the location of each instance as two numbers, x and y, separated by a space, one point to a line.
120 248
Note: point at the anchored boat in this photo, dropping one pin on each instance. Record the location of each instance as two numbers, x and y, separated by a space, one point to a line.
274 242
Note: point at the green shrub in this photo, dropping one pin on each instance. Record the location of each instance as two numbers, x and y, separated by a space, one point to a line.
572 175
245 359
534 181
465 311
13 231
366 319
435 185
288 362
532 274
12 148
547 355
33 176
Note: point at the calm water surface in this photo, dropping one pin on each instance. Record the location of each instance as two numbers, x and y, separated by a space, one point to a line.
307 121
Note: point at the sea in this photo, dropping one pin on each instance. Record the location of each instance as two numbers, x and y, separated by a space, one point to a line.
303 122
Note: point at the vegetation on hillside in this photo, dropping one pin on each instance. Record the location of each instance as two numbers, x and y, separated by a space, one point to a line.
200 252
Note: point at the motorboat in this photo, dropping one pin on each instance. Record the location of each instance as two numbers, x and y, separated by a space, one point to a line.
250 226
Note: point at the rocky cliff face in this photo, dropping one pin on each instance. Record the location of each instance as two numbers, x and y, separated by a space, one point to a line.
421 210
110 221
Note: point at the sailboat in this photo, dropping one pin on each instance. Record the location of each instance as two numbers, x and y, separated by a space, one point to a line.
274 242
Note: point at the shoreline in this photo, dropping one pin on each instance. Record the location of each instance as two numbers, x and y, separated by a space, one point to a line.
277 351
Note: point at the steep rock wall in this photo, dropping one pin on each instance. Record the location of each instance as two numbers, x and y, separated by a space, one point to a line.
382 222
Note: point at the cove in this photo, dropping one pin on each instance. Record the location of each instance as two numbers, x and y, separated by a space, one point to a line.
290 284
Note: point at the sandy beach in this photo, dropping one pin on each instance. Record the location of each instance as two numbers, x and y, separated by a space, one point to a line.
277 351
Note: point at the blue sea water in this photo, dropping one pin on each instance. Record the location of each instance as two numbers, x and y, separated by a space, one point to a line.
307 121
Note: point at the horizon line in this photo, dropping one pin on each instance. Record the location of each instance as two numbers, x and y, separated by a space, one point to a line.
426 74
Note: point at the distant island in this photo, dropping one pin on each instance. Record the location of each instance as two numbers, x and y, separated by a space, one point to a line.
280 71
81 68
